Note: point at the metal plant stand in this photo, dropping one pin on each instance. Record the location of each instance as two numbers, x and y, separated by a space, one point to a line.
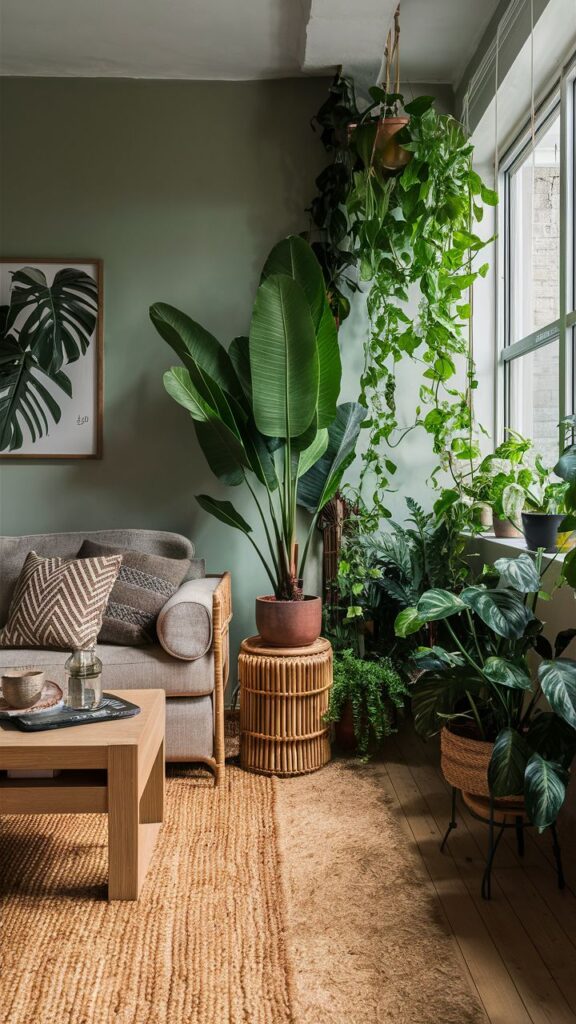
496 829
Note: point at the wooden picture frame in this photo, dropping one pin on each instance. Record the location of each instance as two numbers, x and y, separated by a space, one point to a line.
62 416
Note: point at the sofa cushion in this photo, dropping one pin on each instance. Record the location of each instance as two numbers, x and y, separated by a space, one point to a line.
144 584
184 625
60 603
13 552
126 668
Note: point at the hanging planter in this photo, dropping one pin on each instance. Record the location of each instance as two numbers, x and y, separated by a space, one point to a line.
375 136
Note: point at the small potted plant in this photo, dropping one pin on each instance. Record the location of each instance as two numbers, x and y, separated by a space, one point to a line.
365 698
501 482
478 691
266 417
544 511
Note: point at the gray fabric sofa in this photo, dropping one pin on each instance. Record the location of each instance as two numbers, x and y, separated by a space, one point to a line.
191 660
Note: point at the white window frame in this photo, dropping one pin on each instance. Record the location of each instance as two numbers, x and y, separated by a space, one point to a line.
561 96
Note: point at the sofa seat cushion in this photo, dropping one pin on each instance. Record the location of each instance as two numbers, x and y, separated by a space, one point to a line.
59 602
125 668
144 584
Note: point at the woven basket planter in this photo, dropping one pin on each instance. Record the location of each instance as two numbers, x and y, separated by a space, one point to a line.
464 762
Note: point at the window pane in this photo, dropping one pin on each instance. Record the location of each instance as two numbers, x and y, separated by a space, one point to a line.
535 237
534 399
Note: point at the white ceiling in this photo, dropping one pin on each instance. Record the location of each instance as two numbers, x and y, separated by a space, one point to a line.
235 39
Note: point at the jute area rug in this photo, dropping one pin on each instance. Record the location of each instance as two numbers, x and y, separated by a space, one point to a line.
267 902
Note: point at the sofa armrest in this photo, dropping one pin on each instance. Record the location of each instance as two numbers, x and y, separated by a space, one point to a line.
185 624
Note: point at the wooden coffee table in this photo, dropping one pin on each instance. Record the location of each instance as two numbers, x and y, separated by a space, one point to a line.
115 768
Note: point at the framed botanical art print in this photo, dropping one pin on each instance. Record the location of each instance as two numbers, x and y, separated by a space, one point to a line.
50 359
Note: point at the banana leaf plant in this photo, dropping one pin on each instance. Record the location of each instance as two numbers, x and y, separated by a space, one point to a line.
265 410
43 329
480 680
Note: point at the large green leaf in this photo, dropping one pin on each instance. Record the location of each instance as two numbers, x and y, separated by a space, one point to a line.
322 480
55 322
283 359
313 452
196 347
294 257
501 610
508 764
25 403
520 573
513 499
439 696
239 353
558 682
438 604
407 622
565 468
330 368
552 738
505 673
224 511
220 441
544 791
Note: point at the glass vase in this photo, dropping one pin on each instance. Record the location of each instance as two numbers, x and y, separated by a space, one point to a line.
84 679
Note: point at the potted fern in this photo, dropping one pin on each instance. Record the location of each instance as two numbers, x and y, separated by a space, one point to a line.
365 698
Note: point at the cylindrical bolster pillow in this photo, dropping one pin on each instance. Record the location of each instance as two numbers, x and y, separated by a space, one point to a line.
184 625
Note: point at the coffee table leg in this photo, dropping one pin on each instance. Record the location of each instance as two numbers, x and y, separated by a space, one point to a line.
123 830
152 799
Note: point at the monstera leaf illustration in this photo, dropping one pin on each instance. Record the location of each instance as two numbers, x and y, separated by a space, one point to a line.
44 328
55 321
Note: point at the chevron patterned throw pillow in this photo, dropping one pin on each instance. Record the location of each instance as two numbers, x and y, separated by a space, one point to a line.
59 602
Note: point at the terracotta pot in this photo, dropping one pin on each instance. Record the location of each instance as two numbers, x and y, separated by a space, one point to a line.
289 623
464 762
344 735
504 528
389 155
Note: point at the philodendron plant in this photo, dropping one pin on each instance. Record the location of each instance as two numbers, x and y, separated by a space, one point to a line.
480 679
265 411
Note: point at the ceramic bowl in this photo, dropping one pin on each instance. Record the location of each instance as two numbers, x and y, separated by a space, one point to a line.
22 688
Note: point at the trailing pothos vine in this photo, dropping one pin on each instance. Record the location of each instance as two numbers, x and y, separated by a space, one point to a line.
413 227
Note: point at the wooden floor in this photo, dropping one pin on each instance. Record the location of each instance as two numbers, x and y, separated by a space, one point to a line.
519 948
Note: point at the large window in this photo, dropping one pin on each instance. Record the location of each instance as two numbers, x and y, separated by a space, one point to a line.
539 288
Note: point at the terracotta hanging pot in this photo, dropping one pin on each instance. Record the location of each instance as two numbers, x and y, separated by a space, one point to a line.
383 151
289 623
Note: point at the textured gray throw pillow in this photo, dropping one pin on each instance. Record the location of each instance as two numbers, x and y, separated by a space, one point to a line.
144 584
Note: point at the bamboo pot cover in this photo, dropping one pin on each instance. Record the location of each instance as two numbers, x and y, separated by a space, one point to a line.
284 695
465 763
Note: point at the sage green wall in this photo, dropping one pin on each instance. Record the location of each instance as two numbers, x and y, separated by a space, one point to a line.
181 188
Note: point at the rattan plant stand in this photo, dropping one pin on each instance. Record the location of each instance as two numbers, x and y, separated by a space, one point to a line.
284 696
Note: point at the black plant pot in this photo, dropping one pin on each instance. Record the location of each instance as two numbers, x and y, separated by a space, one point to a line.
541 530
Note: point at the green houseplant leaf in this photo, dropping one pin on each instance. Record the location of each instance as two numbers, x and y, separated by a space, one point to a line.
195 346
407 621
558 682
544 791
501 610
520 573
320 483
224 511
505 673
293 257
508 764
56 321
283 359
438 604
